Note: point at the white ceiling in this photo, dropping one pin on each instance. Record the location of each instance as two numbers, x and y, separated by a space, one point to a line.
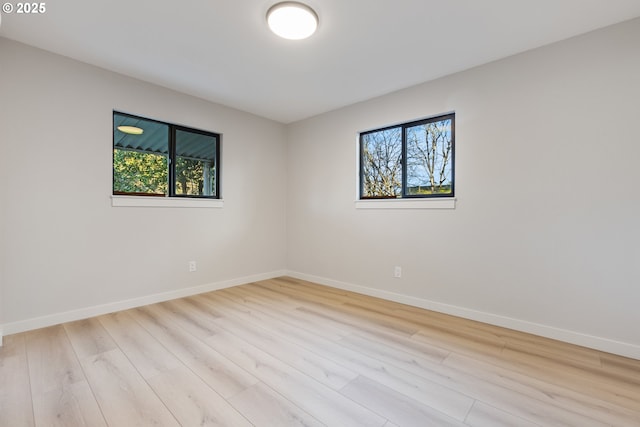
222 50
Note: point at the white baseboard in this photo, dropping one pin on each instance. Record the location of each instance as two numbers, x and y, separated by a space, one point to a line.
84 313
597 343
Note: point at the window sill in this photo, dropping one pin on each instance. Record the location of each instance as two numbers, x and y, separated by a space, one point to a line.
164 202
435 203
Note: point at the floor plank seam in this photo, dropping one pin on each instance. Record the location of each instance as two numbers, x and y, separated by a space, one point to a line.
288 352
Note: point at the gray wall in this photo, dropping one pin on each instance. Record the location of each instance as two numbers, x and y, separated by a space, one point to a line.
545 234
65 248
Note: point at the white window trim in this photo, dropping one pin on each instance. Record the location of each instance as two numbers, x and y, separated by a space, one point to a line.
406 203
165 202
434 203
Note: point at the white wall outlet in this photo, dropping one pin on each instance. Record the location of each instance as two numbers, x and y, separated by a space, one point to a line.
192 266
397 272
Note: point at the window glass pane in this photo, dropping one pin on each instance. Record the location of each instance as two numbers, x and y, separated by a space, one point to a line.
381 163
195 168
429 158
140 150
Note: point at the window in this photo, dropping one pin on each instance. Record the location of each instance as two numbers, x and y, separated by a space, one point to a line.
411 160
152 158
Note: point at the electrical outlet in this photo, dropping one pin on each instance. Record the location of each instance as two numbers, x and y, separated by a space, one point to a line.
397 272
192 266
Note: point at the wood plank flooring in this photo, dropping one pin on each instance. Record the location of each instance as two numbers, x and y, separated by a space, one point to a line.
285 352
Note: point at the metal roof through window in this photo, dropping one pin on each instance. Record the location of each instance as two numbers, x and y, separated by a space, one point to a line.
155 139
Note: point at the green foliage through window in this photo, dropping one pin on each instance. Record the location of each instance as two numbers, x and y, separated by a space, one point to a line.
160 159
136 172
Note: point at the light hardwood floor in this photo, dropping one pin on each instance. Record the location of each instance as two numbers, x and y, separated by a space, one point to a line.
284 352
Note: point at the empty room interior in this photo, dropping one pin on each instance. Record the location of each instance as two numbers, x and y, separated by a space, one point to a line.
411 213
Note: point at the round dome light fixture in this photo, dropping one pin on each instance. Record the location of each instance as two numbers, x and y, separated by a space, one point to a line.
292 20
131 130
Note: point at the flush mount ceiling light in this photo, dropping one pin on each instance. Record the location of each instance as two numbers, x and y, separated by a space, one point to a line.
131 130
292 20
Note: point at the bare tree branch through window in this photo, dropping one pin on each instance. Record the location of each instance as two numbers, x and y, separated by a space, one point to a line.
411 160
